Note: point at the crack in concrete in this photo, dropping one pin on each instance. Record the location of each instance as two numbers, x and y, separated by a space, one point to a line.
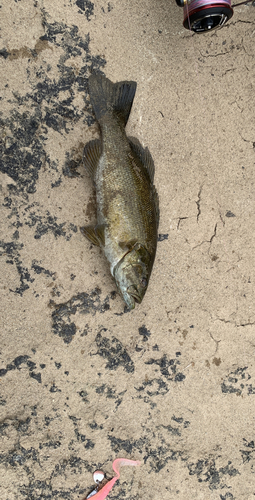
198 202
212 337
214 55
179 221
208 241
214 233
249 323
245 140
216 342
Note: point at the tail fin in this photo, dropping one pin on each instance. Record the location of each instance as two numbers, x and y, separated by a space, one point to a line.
111 97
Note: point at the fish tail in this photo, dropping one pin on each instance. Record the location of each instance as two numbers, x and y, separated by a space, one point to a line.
114 98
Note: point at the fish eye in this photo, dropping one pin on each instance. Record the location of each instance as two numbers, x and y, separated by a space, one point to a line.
144 282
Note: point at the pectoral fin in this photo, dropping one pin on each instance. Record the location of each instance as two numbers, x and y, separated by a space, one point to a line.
127 245
95 234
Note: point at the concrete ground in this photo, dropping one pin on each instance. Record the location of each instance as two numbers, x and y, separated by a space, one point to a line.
171 383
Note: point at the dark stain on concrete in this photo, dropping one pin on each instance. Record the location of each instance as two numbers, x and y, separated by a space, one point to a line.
41 270
162 237
11 250
85 7
216 361
83 303
168 368
22 142
144 332
114 352
238 382
248 453
206 471
17 362
81 438
46 223
110 393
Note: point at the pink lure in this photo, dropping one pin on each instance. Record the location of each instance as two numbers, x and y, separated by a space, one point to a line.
102 494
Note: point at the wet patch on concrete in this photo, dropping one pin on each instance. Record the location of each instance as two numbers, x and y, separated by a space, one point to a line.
144 332
157 448
22 149
41 270
29 459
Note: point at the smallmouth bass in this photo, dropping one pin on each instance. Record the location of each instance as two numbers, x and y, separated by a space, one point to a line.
127 201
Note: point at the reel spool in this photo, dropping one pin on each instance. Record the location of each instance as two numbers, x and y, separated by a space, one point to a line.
206 15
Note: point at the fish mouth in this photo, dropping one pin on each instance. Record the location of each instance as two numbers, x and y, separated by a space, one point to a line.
134 294
137 299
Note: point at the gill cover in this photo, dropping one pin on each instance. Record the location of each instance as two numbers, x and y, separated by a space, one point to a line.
132 274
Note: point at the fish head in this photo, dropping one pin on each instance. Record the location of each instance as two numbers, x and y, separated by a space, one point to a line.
132 275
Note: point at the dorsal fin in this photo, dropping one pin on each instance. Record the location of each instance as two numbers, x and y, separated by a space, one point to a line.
91 155
144 156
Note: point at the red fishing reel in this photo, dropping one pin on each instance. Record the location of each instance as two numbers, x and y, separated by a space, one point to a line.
206 15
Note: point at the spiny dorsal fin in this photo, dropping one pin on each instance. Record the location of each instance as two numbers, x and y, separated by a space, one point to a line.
143 155
91 155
